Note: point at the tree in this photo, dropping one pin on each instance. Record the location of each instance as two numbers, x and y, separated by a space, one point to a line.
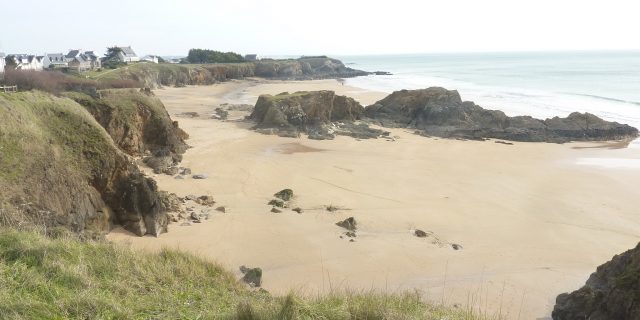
111 59
212 56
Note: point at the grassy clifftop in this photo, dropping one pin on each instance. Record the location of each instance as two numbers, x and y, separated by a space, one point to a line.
44 278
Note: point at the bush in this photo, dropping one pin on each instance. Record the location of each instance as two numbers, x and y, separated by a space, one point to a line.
212 56
56 82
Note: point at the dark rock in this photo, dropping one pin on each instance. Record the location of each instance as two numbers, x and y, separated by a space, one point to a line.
440 112
612 292
185 171
170 171
276 203
252 276
317 113
190 197
352 240
382 73
221 114
221 209
349 224
275 210
456 246
420 234
285 194
205 201
504 142
305 68
200 176
298 210
195 216
350 234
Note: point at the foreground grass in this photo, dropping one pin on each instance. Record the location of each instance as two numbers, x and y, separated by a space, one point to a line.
45 278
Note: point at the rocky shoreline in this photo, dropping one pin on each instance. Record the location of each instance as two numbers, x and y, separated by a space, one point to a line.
431 112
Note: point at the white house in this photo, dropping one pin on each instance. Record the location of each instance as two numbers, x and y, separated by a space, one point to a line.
26 62
150 58
54 60
82 61
127 55
2 62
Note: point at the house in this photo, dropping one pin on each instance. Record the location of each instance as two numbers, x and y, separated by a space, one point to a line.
82 61
2 62
150 58
127 55
54 60
251 57
25 62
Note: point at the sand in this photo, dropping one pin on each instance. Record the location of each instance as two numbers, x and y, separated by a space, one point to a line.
533 219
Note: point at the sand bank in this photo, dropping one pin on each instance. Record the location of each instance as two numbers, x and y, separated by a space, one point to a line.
533 219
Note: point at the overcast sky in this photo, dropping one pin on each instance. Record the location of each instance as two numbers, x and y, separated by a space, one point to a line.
280 27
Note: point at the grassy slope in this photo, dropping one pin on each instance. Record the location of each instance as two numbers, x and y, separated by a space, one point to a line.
44 278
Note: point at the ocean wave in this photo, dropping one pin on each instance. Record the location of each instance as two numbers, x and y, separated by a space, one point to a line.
604 98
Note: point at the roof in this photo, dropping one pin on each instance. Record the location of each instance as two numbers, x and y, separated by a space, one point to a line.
128 52
73 53
55 55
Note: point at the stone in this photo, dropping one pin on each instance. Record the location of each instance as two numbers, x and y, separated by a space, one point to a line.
221 209
195 216
276 203
298 210
171 171
190 197
275 210
205 201
185 172
252 276
611 292
420 234
200 176
456 246
349 224
285 194
350 234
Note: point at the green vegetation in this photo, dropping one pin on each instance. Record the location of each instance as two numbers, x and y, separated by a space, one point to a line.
212 56
111 59
62 278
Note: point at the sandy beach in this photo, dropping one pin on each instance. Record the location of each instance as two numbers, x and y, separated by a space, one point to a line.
533 219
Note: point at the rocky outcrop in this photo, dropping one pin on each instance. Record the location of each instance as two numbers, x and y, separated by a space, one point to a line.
305 68
60 168
440 112
320 114
612 292
139 124
157 75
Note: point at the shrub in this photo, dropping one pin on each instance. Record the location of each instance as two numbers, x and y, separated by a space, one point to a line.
56 82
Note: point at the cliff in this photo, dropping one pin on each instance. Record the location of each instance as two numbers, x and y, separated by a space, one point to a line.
60 167
156 75
612 292
440 112
320 114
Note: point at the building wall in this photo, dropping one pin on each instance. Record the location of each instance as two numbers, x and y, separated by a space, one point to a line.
2 63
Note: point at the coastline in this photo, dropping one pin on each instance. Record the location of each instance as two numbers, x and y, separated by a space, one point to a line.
512 207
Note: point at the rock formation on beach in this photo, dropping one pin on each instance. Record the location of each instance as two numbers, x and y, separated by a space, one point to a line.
305 68
320 114
612 292
440 112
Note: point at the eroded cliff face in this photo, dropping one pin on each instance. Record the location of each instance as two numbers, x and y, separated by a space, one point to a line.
612 292
320 114
440 112
158 75
60 168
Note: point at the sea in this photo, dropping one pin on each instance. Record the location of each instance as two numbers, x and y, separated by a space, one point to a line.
539 84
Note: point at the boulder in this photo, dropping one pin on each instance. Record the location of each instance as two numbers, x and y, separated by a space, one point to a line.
312 112
205 201
285 194
276 203
612 292
221 209
420 234
348 223
440 112
252 276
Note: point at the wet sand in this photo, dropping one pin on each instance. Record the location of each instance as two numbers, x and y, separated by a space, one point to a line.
533 219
